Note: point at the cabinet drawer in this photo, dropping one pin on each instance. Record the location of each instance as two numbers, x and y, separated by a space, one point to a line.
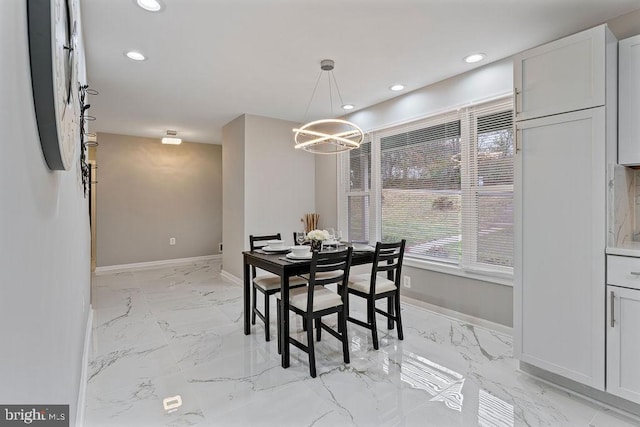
623 271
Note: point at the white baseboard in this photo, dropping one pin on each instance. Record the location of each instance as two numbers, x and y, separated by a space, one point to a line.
152 264
456 315
230 277
82 393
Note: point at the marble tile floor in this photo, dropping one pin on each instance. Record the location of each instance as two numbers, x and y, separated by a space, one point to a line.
172 338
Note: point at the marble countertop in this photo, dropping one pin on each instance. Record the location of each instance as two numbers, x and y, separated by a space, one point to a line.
627 249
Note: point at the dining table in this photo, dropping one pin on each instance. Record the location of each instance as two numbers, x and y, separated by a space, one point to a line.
280 265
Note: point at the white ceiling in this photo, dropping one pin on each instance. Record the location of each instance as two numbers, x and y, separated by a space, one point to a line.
210 61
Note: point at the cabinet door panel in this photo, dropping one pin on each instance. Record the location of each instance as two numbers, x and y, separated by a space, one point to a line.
623 343
561 239
561 76
629 101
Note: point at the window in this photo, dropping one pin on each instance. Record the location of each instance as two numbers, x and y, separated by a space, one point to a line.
444 183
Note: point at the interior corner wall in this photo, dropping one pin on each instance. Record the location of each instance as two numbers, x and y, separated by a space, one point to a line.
149 192
268 185
279 180
45 249
233 146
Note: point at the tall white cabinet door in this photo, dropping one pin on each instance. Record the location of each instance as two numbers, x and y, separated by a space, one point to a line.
623 343
560 228
629 101
561 76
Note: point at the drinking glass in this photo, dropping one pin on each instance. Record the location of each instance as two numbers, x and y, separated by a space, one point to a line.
301 236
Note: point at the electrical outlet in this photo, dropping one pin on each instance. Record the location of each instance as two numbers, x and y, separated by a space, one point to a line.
172 241
407 281
220 246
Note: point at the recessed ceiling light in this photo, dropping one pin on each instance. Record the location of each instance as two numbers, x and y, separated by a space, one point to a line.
136 56
476 57
348 107
150 5
397 87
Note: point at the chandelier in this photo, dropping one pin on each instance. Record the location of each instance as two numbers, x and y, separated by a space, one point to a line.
328 136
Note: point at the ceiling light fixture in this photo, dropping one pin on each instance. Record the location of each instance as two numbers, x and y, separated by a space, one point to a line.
475 57
135 55
328 136
150 5
171 138
348 107
397 87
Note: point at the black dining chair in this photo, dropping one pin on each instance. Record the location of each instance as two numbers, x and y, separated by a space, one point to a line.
373 287
316 301
266 283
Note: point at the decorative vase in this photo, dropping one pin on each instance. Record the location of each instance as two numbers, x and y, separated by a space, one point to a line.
316 245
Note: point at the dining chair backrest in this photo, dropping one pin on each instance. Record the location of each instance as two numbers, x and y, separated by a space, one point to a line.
329 262
257 242
388 257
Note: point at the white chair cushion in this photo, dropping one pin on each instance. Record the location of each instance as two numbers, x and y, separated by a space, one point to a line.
323 298
271 281
362 282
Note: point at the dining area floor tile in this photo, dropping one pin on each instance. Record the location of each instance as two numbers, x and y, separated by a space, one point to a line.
168 349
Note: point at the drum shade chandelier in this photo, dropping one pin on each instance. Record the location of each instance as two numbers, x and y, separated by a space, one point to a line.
328 136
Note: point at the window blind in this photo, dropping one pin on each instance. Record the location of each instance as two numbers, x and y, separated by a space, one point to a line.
420 186
487 188
358 193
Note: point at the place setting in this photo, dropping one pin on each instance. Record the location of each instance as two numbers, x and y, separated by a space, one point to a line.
298 253
274 247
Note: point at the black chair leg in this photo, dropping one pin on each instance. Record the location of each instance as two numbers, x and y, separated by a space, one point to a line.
318 329
372 323
390 311
253 304
399 317
266 317
311 349
342 319
279 326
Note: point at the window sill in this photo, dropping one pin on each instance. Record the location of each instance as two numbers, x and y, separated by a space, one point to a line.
497 278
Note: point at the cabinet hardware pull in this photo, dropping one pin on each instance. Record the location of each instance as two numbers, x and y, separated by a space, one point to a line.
635 273
612 310
516 92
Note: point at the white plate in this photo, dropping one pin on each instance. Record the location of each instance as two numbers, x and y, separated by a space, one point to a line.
269 249
292 256
364 249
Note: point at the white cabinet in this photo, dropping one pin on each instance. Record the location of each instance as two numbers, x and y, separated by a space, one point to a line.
565 75
560 233
623 319
629 101
623 343
565 134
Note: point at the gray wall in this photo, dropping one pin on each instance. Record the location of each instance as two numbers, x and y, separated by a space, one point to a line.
45 249
233 195
489 301
326 191
278 185
149 192
625 26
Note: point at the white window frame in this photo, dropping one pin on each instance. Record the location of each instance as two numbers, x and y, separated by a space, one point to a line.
466 267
